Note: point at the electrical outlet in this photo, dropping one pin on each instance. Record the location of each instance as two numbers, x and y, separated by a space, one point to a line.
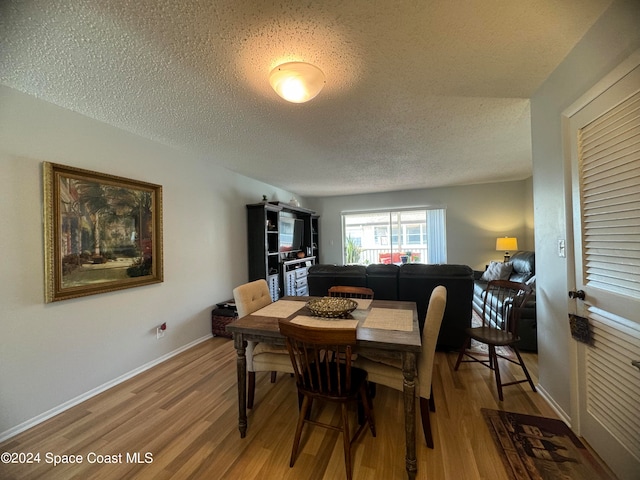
159 332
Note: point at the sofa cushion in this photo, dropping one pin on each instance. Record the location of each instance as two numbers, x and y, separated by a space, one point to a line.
383 280
323 276
383 269
478 288
435 270
416 282
520 277
497 271
524 266
524 262
338 270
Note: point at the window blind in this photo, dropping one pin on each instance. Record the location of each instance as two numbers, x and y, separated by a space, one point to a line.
609 161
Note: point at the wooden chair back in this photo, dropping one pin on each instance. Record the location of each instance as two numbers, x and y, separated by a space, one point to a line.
503 304
346 291
321 359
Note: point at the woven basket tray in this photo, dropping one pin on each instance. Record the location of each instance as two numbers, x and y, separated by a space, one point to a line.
331 307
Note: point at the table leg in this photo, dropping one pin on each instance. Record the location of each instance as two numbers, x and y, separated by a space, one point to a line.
409 389
241 365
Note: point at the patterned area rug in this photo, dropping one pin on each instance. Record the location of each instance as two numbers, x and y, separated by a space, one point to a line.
539 448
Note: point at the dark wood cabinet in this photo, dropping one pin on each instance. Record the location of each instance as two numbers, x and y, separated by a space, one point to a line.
282 243
315 236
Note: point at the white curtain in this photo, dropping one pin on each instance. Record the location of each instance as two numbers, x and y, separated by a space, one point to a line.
436 236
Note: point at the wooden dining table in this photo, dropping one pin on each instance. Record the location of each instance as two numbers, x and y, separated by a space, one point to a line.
376 337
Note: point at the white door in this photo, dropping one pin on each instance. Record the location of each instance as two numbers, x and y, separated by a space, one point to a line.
602 134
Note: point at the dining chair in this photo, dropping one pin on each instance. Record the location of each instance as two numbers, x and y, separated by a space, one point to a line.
321 358
351 292
388 371
261 357
503 304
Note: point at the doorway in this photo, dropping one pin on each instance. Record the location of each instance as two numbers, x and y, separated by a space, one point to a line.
602 135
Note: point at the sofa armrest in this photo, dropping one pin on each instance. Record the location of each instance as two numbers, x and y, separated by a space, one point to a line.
529 310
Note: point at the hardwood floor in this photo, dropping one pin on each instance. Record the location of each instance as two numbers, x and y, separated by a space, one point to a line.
181 417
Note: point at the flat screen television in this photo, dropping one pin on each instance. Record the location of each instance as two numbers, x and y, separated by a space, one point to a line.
290 233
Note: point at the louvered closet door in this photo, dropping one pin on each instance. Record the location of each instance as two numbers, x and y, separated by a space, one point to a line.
605 145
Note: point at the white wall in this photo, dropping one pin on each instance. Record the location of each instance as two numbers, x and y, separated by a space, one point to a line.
476 215
53 353
611 40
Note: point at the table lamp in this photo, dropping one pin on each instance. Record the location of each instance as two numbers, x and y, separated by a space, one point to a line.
506 244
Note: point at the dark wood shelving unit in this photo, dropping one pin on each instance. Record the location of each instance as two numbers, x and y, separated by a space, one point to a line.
285 272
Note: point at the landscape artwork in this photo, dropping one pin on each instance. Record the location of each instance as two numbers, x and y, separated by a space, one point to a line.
102 232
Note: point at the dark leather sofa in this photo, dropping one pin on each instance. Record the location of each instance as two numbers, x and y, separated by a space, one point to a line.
524 270
413 282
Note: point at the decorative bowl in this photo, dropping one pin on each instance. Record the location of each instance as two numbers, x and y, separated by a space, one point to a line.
331 307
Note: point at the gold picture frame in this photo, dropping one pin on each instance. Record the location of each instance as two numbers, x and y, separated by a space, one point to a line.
101 232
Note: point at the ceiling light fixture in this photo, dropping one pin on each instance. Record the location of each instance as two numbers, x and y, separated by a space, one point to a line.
297 82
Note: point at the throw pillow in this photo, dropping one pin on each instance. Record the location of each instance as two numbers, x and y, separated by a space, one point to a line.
497 271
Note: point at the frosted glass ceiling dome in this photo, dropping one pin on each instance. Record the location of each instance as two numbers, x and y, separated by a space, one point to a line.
297 82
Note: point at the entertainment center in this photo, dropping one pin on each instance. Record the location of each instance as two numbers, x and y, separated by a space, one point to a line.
282 243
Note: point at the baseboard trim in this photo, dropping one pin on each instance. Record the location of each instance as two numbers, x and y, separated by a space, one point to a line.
554 405
92 393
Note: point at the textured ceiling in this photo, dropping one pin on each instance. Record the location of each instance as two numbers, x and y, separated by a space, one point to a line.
418 93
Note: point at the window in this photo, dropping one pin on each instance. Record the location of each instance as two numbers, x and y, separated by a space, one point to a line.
381 236
415 234
400 236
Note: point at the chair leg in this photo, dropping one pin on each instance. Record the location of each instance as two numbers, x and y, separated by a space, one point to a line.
300 400
463 349
432 403
524 368
273 376
346 437
496 369
367 404
296 439
251 388
309 407
426 421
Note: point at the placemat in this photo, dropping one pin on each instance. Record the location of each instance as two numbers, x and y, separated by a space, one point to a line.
318 322
280 309
363 303
389 319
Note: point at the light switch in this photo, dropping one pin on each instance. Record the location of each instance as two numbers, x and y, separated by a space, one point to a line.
562 252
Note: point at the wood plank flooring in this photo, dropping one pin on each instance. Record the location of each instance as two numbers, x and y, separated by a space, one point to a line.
180 417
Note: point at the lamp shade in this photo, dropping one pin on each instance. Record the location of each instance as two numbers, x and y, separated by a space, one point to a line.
506 244
297 82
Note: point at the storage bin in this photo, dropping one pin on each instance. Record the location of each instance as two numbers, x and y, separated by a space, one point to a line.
220 318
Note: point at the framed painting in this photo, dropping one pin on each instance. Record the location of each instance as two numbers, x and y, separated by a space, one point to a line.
102 233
